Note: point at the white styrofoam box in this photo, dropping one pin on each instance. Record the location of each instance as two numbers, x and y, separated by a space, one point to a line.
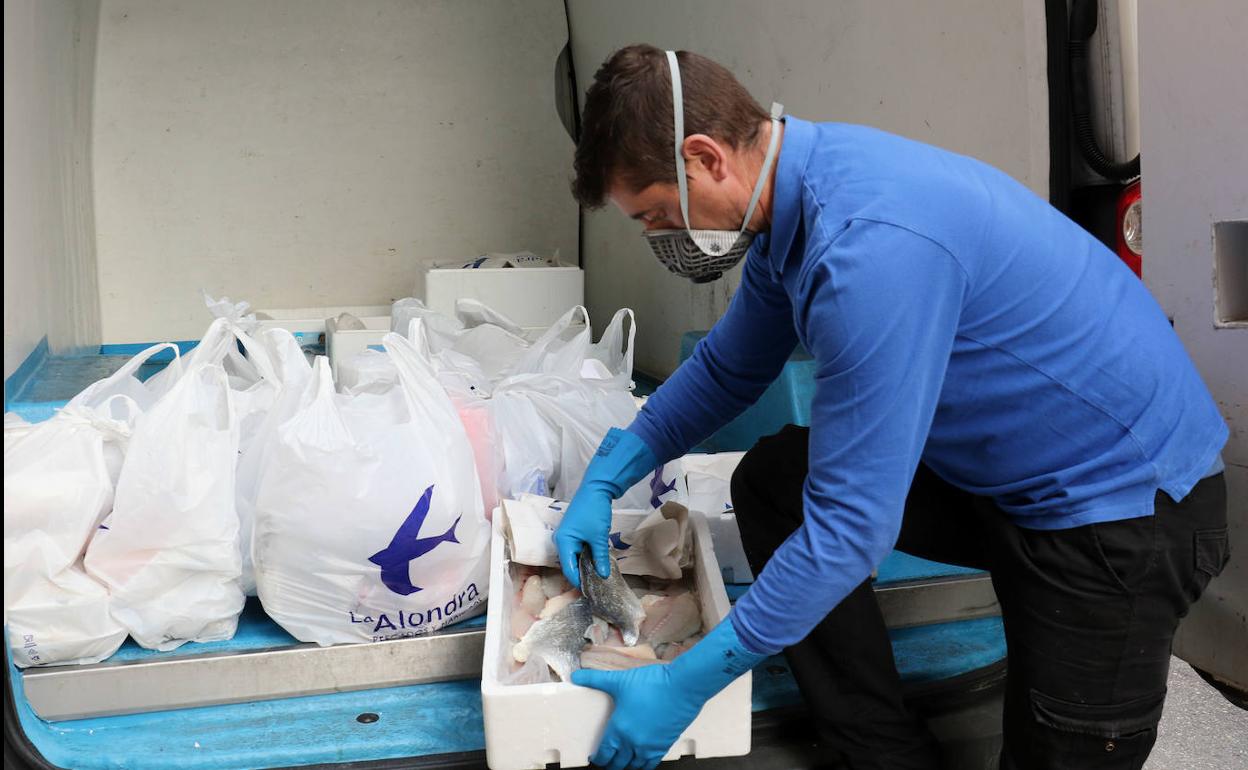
533 725
311 320
532 297
708 479
341 344
733 566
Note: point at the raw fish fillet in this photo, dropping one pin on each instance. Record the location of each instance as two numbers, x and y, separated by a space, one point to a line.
617 658
670 618
531 596
557 603
558 640
554 583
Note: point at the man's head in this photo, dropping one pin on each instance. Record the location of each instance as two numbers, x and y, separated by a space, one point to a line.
626 151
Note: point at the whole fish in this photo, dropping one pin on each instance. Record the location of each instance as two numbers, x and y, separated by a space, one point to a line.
611 599
558 640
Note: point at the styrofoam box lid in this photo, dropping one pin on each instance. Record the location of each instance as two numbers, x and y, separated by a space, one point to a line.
533 725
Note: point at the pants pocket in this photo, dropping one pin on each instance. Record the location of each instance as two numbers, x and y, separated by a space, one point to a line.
1213 550
1078 735
1127 549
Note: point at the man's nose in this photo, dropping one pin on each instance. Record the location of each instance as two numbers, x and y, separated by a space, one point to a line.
661 224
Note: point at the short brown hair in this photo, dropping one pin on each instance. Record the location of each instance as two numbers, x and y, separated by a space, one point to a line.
626 128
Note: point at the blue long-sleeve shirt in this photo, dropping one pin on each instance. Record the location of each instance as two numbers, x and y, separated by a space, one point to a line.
955 318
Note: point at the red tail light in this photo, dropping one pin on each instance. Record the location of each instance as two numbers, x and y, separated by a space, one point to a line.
1130 239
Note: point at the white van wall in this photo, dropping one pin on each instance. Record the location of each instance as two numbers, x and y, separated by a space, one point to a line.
1193 111
969 76
297 153
50 285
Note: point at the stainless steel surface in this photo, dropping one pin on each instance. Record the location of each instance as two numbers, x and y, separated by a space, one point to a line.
923 602
182 681
161 683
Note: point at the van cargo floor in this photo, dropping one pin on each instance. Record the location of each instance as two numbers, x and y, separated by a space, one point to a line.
263 662
424 720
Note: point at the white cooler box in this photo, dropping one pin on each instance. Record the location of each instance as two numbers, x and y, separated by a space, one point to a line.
532 297
533 725
342 344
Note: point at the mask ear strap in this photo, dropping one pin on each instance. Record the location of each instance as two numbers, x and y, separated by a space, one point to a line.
777 110
678 112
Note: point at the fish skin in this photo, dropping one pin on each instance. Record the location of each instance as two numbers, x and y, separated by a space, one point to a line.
611 599
558 640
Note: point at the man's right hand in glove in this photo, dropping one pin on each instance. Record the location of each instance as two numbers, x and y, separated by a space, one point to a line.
621 461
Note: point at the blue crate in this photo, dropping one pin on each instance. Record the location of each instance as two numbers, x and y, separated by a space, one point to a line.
786 401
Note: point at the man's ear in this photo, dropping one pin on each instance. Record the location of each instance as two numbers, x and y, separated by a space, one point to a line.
705 155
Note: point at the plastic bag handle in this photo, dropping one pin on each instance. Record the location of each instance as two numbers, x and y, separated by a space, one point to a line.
418 378
531 361
128 369
101 417
613 332
218 343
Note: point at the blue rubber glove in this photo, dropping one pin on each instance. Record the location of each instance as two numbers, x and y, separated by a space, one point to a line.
654 704
621 461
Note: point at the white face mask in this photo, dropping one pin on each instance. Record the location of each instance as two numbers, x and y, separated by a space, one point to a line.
704 255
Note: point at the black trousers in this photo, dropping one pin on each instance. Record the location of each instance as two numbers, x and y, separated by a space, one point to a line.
1089 614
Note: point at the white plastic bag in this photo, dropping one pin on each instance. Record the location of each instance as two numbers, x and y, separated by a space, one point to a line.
566 349
236 312
170 554
480 347
369 522
15 428
57 487
479 341
708 480
708 490
273 359
291 371
59 479
549 402
549 428
251 377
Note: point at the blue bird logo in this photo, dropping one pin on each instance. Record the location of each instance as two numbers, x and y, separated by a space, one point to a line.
659 487
407 545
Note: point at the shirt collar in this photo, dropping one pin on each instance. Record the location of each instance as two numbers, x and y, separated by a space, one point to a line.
786 204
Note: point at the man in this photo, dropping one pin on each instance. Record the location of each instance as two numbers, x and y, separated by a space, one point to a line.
993 387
